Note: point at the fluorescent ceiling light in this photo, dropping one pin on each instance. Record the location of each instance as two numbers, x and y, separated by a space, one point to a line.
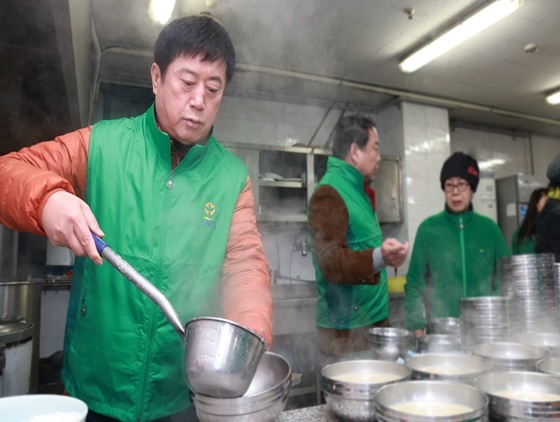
460 32
160 10
553 98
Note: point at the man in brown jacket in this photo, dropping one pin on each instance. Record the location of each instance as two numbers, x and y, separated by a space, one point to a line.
349 253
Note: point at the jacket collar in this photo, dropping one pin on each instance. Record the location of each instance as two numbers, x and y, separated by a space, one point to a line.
162 142
455 217
346 171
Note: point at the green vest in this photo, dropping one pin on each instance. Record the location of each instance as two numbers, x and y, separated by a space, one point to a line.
122 356
351 306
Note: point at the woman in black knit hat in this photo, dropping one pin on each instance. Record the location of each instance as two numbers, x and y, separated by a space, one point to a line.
547 237
455 251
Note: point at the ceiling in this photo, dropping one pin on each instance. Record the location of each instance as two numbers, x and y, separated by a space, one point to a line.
337 53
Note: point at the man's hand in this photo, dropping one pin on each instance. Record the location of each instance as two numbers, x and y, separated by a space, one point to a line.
68 221
393 252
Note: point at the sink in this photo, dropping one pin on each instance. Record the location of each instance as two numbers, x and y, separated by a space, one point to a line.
294 308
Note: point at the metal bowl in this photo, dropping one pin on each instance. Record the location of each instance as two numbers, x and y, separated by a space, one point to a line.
446 325
389 343
221 357
493 384
549 341
507 356
439 343
435 393
263 402
549 366
448 367
351 400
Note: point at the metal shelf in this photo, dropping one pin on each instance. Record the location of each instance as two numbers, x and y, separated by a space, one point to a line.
299 185
288 218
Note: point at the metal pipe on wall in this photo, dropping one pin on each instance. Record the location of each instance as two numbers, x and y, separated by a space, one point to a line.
407 95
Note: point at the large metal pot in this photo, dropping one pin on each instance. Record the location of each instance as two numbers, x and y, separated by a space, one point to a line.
350 386
435 401
221 356
23 298
521 395
448 367
16 341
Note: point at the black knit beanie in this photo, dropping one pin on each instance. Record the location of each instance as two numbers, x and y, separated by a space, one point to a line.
460 165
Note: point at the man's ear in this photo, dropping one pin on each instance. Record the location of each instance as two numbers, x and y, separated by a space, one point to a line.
156 77
353 152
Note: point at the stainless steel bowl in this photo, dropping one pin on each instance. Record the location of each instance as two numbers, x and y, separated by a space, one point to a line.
354 400
549 366
446 325
448 367
389 343
221 357
549 341
506 356
263 402
439 343
434 392
502 408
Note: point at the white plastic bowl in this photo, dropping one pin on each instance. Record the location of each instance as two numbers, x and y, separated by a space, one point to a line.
39 407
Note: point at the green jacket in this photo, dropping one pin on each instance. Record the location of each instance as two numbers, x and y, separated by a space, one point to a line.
454 256
351 306
122 356
526 246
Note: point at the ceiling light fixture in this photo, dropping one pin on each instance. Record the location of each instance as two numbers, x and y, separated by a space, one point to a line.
460 32
553 98
160 10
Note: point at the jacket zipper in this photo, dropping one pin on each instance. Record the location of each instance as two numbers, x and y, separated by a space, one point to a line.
464 264
170 185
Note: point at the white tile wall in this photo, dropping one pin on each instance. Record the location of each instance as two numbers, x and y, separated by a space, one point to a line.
499 153
54 305
544 149
427 145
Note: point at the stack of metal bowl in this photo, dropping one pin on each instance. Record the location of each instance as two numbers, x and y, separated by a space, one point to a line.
350 386
521 396
448 367
265 399
423 401
530 279
447 325
439 343
506 356
487 319
389 343
549 366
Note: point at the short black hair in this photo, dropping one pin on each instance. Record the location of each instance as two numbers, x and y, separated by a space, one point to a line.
350 130
194 36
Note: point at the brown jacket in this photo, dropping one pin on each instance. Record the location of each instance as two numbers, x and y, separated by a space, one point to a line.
328 224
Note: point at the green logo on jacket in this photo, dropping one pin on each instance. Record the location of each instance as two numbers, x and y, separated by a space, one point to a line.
209 211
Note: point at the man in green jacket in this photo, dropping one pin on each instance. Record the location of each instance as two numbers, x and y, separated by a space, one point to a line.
170 199
455 252
349 253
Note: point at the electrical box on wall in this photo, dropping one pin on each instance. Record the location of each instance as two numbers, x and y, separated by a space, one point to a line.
387 186
484 199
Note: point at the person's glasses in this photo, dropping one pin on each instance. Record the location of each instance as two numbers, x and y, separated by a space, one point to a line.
461 186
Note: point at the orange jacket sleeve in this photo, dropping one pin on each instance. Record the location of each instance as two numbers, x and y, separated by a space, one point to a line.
246 283
30 176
